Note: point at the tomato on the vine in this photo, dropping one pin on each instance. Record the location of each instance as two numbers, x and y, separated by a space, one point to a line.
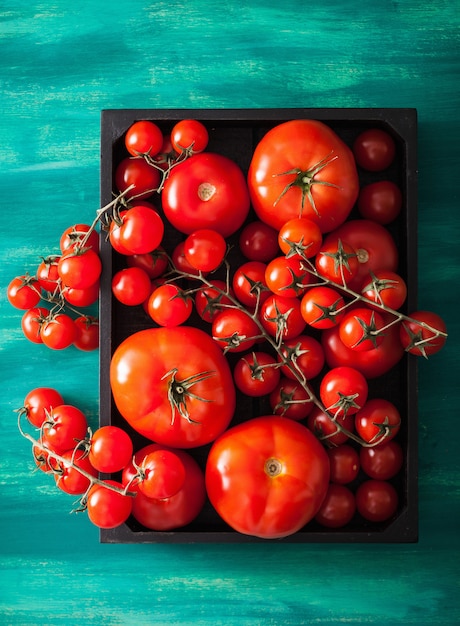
331 431
76 234
377 421
110 449
322 307
144 138
63 428
249 283
162 474
154 262
135 174
300 237
168 305
47 273
107 508
361 329
32 321
79 268
281 317
286 276
211 299
67 475
423 334
343 390
40 401
23 292
267 477
337 261
58 331
81 297
385 287
137 230
190 136
234 330
256 374
291 399
304 354
131 286
205 249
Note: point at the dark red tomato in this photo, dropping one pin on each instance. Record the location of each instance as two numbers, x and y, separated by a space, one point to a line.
173 385
144 138
42 459
281 317
138 176
64 427
23 292
77 234
300 237
81 297
345 464
301 168
371 363
180 262
111 449
338 507
32 321
47 274
343 390
249 283
137 231
205 249
305 354
332 432
169 306
374 245
376 500
380 201
79 268
162 474
374 149
87 333
38 402
321 307
68 476
210 300
256 374
259 242
154 263
382 462
58 331
337 261
108 508
361 329
378 421
267 477
207 190
385 288
286 276
170 513
234 330
424 334
189 136
291 399
131 286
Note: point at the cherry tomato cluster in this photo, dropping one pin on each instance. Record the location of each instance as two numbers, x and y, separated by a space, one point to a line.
263 287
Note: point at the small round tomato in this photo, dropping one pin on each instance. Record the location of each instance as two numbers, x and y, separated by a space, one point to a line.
106 507
23 292
378 421
256 374
81 297
207 190
205 249
110 450
168 305
376 500
144 138
154 263
322 307
38 402
382 462
291 399
361 329
162 474
267 477
211 299
79 268
249 283
131 286
338 507
138 230
385 288
179 261
343 390
47 273
58 331
337 261
234 330
76 234
423 334
305 355
189 136
286 276
345 464
374 149
32 321
67 475
87 333
135 174
281 317
300 237
380 201
331 431
64 427
259 242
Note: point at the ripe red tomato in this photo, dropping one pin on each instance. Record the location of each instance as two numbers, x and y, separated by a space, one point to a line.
205 249
75 234
162 474
267 477
173 385
374 149
189 136
383 461
385 288
169 306
207 190
343 390
378 421
108 508
110 450
256 374
81 297
286 276
32 321
79 268
249 283
300 237
58 331
321 307
137 230
64 426
210 300
380 201
154 263
301 168
135 173
417 339
144 138
131 286
376 500
361 329
259 241
306 355
338 507
345 464
23 292
170 513
281 317
47 273
67 475
291 399
87 333
337 261
38 402
234 330
330 431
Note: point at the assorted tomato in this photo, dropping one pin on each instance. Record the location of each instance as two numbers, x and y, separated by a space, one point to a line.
280 287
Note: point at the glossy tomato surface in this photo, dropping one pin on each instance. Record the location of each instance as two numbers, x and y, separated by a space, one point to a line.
267 477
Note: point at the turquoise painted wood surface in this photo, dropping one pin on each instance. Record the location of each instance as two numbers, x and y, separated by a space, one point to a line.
60 64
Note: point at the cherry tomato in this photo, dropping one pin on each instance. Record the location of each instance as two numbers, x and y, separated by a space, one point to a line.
207 190
135 173
337 261
286 276
281 317
301 168
67 475
331 431
87 333
23 292
108 508
205 249
154 263
267 477
290 399
361 329
58 331
300 237
137 231
180 262
32 321
111 449
131 286
144 138
338 507
169 306
343 390
162 474
234 330
382 462
376 500
385 288
417 339
380 201
259 241
173 385
374 149
378 421
40 401
210 300
345 464
64 427
249 283
305 354
190 136
81 297
76 234
79 268
256 374
47 274
321 307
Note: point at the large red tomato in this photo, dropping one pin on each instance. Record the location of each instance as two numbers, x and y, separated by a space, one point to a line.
267 477
301 168
173 385
207 190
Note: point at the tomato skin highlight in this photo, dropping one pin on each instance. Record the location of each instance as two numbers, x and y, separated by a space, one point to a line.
267 477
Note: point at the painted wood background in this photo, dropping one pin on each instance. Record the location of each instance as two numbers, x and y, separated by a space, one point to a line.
61 63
